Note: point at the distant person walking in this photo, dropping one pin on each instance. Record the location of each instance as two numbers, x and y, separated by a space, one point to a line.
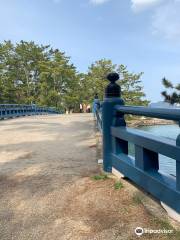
84 107
81 108
88 108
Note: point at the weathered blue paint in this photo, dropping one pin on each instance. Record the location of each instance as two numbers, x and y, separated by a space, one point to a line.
144 169
146 159
178 165
146 140
112 98
162 113
97 111
107 120
17 110
162 186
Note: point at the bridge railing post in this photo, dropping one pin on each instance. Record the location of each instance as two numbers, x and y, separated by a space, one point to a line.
96 104
112 98
178 165
146 159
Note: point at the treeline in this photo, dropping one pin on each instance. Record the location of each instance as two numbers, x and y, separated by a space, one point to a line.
38 74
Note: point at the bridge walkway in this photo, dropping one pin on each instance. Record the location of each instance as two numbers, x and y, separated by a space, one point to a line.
46 189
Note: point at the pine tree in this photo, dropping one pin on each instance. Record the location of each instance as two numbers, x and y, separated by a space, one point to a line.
38 74
173 97
95 82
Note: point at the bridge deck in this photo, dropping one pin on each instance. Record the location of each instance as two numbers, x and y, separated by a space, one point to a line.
40 157
45 189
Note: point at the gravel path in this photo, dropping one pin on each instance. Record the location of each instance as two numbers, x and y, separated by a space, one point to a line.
40 158
46 187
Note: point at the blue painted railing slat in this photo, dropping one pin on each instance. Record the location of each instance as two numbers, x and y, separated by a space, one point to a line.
161 113
158 144
161 186
15 110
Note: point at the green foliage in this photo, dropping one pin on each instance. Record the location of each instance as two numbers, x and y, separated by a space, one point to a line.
137 198
30 73
39 74
118 185
95 82
100 177
167 83
173 97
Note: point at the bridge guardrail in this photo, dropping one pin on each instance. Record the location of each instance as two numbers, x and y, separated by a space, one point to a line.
18 110
98 115
143 169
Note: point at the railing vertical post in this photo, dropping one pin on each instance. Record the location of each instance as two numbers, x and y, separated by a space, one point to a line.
112 97
146 159
178 165
96 104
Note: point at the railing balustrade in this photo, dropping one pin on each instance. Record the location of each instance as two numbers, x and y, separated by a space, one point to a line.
18 110
143 169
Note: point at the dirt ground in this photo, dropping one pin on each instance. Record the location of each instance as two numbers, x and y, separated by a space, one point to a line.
47 189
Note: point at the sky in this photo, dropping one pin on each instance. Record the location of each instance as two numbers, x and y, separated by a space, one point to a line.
144 35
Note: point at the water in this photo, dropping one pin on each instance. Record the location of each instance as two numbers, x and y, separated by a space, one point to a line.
166 164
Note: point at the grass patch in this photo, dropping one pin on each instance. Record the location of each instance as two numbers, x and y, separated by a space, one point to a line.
137 198
100 177
165 224
118 185
125 210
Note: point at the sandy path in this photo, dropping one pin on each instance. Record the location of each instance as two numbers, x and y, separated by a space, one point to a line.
46 192
40 158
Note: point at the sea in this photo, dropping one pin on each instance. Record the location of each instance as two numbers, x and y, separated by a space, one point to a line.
166 164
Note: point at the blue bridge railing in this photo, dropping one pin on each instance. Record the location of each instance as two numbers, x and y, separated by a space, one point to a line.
98 115
18 110
143 169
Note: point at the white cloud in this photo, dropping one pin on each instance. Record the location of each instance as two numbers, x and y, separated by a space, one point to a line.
166 20
139 5
165 17
98 2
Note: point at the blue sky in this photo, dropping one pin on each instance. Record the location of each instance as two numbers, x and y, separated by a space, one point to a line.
142 34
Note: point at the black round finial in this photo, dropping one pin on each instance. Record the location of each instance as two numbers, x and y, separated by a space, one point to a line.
113 89
113 77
